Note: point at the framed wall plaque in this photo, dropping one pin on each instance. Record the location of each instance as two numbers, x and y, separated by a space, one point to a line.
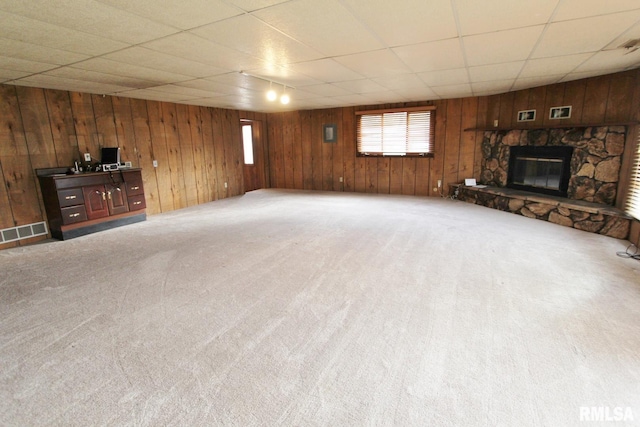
526 115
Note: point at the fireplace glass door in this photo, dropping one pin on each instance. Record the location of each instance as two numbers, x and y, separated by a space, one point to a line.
543 169
538 172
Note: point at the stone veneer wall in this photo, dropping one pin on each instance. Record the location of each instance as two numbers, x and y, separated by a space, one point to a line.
595 164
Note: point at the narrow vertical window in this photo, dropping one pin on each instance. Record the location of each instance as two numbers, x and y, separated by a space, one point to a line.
633 199
247 144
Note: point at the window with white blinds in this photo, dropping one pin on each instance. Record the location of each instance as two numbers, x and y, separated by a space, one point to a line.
408 132
633 198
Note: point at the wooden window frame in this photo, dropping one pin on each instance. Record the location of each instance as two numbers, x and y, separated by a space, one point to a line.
431 129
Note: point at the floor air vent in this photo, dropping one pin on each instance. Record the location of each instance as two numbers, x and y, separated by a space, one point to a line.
23 232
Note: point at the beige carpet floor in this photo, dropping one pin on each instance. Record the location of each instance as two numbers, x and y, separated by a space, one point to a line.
321 309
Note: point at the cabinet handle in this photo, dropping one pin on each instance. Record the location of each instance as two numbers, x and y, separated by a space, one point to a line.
135 188
70 197
109 194
73 215
137 203
103 195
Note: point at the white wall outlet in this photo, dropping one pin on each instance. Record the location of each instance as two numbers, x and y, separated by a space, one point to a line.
226 185
341 180
439 183
435 189
87 157
155 163
495 123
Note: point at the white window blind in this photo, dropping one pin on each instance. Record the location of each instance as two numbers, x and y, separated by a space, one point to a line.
396 133
633 199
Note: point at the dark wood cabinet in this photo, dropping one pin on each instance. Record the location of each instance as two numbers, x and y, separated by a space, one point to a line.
85 203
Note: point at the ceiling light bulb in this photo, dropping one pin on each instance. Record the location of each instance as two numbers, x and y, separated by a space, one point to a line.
272 95
284 99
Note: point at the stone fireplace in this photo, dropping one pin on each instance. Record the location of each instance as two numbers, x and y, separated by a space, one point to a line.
573 172
594 166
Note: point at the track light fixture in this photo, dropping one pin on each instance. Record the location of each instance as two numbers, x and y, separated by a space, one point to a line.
272 95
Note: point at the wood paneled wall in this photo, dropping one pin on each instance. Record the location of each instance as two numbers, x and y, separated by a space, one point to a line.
299 158
198 149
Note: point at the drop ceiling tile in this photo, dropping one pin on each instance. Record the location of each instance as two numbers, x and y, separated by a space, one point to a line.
98 77
478 17
405 82
61 83
180 89
194 48
453 91
91 17
249 35
445 77
440 55
244 81
608 60
573 9
8 75
406 22
36 53
483 73
376 63
163 62
419 94
501 46
154 95
287 75
497 86
208 85
385 97
325 26
326 89
348 100
554 65
326 70
253 5
23 65
361 86
583 35
40 33
128 70
529 82
177 14
576 76
632 34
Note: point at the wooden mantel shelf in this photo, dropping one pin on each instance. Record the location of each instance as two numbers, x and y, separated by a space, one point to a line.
554 126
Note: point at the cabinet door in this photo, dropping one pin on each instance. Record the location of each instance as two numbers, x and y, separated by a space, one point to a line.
95 201
117 200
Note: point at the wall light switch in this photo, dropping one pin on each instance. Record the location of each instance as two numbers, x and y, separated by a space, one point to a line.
87 157
495 123
341 180
155 163
225 185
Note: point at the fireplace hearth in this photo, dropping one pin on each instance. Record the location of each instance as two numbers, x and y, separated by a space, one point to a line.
544 170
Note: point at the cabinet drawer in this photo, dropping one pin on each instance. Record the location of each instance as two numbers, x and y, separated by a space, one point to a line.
137 202
134 184
70 197
73 214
